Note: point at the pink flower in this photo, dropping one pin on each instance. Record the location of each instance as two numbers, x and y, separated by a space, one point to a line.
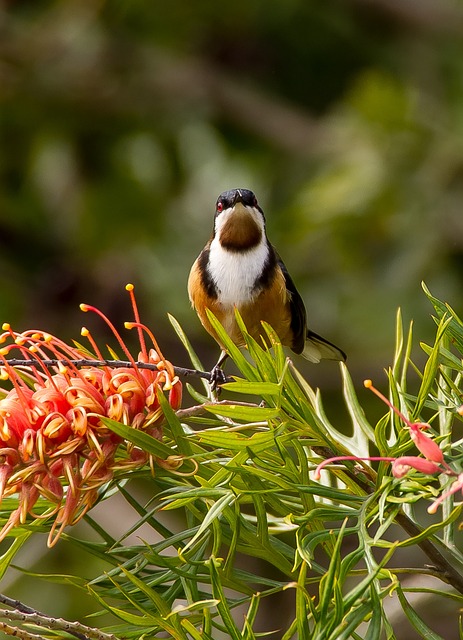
53 442
424 443
432 463
401 466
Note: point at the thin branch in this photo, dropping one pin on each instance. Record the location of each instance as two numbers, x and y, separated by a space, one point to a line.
16 604
23 613
440 565
75 629
89 362
200 409
19 633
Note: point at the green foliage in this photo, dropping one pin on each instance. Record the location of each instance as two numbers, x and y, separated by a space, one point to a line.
248 525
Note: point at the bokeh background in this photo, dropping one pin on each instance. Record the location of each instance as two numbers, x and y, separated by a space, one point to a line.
122 120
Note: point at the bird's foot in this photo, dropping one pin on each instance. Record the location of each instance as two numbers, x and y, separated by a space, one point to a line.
217 378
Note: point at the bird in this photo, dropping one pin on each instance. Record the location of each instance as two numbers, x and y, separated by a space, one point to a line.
239 269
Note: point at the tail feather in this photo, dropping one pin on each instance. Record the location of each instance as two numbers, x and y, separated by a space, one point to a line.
317 348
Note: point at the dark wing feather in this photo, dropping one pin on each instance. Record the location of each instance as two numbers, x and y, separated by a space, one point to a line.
305 342
298 313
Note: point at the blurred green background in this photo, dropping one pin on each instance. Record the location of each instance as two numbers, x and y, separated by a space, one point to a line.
121 121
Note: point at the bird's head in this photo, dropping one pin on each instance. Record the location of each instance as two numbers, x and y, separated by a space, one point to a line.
239 222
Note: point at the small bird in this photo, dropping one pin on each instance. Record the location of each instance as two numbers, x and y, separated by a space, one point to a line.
239 269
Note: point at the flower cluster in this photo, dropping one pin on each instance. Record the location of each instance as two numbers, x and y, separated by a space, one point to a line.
431 464
53 440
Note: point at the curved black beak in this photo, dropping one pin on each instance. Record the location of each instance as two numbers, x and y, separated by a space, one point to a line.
238 197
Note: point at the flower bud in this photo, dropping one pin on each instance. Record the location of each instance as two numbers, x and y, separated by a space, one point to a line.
455 486
425 444
401 466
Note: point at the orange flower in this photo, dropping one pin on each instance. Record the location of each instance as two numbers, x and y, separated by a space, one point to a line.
53 442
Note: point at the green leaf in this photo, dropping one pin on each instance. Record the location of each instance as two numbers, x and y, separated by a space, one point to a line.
430 369
7 557
382 429
432 529
375 623
415 620
303 600
161 605
253 388
327 584
357 593
455 326
139 438
250 618
243 412
235 353
195 634
175 425
56 578
233 441
214 512
137 620
355 410
218 593
195 361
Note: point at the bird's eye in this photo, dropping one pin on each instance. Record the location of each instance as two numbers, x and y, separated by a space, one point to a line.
254 202
219 207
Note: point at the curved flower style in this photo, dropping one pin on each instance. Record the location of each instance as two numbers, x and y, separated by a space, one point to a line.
53 441
432 463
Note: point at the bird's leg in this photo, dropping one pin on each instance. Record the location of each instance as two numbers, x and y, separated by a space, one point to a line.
217 375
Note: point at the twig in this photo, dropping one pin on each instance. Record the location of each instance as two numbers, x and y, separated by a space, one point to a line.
16 604
200 409
23 613
19 633
75 629
440 564
90 362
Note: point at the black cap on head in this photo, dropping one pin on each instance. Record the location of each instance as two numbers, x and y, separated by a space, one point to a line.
229 198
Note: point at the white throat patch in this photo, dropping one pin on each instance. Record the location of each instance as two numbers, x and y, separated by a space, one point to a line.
235 273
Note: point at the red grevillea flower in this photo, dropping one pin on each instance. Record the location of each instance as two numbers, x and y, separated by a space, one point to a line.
433 462
53 442
424 443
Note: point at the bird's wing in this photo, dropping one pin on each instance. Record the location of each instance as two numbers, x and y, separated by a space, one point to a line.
305 342
297 309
